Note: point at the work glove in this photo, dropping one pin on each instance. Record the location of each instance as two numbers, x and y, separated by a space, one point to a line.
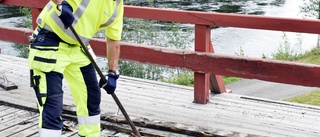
66 15
111 85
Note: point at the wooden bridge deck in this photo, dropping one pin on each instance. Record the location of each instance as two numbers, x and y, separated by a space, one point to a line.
168 108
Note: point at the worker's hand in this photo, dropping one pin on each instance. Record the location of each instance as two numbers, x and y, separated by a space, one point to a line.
66 15
111 85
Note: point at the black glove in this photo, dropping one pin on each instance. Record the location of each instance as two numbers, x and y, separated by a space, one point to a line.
111 85
66 15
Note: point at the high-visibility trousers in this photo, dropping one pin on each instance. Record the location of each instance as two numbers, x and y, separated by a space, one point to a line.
50 60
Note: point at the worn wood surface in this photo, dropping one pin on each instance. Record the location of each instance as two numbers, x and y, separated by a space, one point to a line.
169 107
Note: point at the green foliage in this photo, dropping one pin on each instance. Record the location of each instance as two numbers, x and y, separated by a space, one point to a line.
139 70
26 23
23 50
310 57
187 78
183 78
228 80
264 56
311 98
285 51
176 38
311 8
241 52
151 33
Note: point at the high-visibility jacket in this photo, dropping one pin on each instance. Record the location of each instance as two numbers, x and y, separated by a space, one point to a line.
90 17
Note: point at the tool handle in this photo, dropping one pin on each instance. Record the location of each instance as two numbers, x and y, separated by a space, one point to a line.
105 81
85 49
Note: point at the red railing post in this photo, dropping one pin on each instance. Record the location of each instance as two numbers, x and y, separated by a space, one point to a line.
216 81
35 13
201 80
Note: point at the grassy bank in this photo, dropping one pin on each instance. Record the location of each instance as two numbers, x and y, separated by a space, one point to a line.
312 98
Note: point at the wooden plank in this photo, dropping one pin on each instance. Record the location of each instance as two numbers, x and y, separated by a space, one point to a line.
270 109
21 129
231 113
70 128
18 116
263 69
252 122
3 107
32 4
17 35
108 133
201 80
8 111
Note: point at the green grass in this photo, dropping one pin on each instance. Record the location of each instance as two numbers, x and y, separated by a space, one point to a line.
310 57
311 98
228 80
186 78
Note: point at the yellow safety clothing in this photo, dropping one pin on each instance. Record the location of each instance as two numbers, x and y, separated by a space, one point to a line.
90 17
56 54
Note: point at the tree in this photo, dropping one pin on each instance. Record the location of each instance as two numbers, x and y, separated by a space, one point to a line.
311 8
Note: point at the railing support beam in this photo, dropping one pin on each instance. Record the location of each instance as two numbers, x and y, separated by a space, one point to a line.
216 81
35 13
201 80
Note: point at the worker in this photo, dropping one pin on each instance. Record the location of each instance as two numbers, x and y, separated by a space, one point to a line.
55 54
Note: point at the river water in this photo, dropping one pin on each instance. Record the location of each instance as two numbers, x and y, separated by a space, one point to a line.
226 40
257 42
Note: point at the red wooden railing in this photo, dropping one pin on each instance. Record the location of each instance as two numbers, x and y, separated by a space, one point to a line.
203 61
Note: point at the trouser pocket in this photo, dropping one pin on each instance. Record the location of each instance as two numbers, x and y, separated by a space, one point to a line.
42 60
43 51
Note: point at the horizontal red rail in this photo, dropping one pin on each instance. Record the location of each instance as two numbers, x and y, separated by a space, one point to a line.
245 67
17 35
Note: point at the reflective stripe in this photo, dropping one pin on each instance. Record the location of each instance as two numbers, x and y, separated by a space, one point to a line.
57 20
113 17
89 120
47 28
49 7
39 20
49 133
82 7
